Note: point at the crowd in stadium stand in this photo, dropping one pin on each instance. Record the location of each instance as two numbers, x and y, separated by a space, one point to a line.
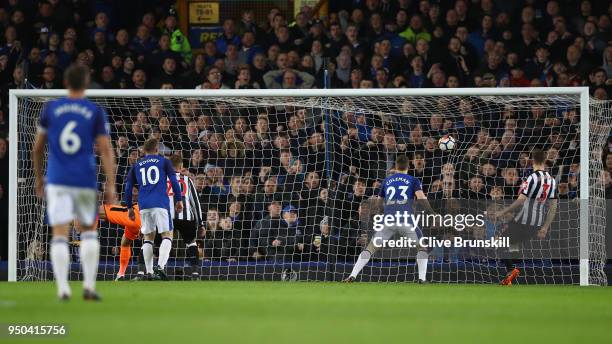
281 153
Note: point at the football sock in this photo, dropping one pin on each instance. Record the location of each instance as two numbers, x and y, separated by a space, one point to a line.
362 260
60 260
90 255
147 254
140 262
124 259
421 259
164 252
192 254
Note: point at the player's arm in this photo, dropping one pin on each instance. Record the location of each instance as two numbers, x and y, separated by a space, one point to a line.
516 204
38 151
178 195
523 193
196 199
107 156
552 211
424 202
421 197
102 213
129 186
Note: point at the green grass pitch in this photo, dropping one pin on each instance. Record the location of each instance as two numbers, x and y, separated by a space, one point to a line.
276 312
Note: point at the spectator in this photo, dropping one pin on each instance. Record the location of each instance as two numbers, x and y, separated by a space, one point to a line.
213 80
178 42
160 54
415 30
168 75
286 240
139 79
243 81
288 79
197 74
143 43
228 37
280 151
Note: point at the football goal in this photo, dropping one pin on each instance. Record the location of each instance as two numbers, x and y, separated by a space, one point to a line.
288 179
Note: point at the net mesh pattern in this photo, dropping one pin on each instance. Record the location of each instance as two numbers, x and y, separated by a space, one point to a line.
285 182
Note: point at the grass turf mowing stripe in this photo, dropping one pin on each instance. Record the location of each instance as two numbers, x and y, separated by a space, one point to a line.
269 312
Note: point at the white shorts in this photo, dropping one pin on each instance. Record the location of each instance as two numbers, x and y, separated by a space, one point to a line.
68 203
155 218
404 231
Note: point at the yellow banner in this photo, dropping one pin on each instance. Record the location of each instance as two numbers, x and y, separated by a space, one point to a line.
203 13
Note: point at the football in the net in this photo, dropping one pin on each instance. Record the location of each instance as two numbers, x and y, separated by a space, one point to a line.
446 143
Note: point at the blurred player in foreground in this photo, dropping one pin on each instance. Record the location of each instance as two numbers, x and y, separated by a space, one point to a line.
398 191
149 174
72 125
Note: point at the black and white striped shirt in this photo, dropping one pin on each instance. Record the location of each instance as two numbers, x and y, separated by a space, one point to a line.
539 187
192 210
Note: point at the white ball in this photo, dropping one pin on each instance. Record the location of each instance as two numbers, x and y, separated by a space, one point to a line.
446 143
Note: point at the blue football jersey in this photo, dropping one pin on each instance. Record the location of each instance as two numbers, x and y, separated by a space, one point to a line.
398 191
72 126
150 174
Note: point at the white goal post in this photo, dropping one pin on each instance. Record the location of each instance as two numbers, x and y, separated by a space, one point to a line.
322 97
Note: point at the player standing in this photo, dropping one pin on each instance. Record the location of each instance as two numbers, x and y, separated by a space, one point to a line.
537 193
150 174
188 220
398 191
72 125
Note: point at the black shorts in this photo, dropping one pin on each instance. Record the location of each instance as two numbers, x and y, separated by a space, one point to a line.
188 229
520 233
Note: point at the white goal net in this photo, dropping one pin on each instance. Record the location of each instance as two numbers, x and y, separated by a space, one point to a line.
286 180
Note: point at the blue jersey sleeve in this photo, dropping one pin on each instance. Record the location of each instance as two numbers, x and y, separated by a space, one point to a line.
417 185
381 191
129 185
101 126
176 188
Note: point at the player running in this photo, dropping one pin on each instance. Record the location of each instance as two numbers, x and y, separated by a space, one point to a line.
149 174
187 221
72 125
537 193
398 191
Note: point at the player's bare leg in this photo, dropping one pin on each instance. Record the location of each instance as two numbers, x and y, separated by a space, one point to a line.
60 260
164 254
125 254
90 256
362 261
